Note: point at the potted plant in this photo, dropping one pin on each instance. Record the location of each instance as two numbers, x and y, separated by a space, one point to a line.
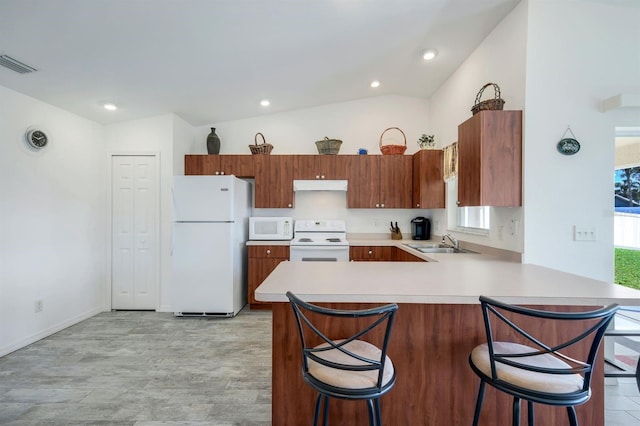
427 142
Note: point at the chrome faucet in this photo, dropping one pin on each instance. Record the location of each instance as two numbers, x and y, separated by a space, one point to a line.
454 241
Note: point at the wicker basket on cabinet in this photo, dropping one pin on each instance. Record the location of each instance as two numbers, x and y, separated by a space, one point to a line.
490 104
393 149
263 148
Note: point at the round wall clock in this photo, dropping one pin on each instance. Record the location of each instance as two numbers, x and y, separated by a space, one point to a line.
36 138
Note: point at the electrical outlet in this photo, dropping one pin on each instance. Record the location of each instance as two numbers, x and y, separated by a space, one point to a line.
513 227
37 306
501 232
436 225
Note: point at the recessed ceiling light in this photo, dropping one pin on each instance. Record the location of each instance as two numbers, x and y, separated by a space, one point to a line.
265 102
430 54
375 83
110 107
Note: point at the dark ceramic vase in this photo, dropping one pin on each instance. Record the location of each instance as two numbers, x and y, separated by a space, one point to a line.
213 142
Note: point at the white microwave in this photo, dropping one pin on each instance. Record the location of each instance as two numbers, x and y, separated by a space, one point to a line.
270 228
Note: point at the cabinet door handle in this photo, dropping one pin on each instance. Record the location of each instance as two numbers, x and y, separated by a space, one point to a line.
377 205
418 205
370 252
317 177
290 206
382 205
458 202
217 173
268 251
222 173
322 177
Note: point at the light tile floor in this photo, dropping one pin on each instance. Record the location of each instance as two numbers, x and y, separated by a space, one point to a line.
622 402
622 398
149 369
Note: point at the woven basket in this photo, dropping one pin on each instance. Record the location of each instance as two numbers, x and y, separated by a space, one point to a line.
328 146
393 149
490 104
263 148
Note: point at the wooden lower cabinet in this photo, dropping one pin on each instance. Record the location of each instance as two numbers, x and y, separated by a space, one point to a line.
400 255
381 254
262 261
371 253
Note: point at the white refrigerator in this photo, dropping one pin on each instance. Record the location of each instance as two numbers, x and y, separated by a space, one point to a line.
208 250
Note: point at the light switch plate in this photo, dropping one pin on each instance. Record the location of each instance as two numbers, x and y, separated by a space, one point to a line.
585 233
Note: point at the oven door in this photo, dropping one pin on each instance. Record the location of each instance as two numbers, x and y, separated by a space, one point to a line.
319 253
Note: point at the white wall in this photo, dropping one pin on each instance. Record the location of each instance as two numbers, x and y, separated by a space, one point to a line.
153 135
359 124
499 59
183 140
579 53
52 221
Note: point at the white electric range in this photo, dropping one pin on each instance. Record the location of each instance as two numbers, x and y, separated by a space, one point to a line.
319 241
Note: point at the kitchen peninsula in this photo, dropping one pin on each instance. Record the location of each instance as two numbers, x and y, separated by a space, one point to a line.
438 323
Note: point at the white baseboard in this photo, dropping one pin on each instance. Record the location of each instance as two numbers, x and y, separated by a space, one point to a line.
165 308
49 331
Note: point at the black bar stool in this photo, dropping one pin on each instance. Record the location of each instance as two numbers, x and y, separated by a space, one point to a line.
351 367
535 371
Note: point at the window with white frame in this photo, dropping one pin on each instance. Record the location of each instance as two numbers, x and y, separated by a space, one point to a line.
473 218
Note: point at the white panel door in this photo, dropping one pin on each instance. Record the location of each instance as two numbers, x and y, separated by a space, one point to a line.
135 216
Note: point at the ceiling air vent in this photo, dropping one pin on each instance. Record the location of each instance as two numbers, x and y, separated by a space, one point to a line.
17 66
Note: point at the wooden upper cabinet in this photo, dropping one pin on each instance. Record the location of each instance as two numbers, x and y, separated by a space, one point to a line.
238 165
363 173
241 166
274 181
201 164
428 185
490 159
379 181
314 167
396 175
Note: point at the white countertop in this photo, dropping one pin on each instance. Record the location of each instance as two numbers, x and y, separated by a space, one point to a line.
452 279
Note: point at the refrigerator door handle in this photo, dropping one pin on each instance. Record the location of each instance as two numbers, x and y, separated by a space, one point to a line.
173 204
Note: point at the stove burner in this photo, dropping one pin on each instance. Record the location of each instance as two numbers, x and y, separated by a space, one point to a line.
333 240
305 240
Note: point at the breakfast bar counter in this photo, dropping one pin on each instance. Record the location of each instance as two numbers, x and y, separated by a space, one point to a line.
438 323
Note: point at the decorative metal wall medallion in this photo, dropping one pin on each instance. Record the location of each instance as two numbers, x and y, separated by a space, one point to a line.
568 146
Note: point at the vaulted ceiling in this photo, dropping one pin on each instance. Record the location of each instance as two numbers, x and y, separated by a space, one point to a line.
214 60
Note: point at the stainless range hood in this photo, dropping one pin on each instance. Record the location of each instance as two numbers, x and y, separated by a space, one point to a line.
319 185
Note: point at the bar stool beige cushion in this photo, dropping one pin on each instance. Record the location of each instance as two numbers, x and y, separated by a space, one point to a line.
553 383
350 379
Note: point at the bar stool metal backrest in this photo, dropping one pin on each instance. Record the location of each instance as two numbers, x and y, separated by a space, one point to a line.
350 367
534 370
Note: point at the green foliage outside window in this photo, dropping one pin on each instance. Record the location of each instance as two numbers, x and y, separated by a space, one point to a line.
627 267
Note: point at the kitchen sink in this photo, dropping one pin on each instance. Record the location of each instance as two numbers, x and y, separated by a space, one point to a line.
436 248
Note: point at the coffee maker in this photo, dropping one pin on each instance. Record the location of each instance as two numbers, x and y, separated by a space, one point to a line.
420 228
